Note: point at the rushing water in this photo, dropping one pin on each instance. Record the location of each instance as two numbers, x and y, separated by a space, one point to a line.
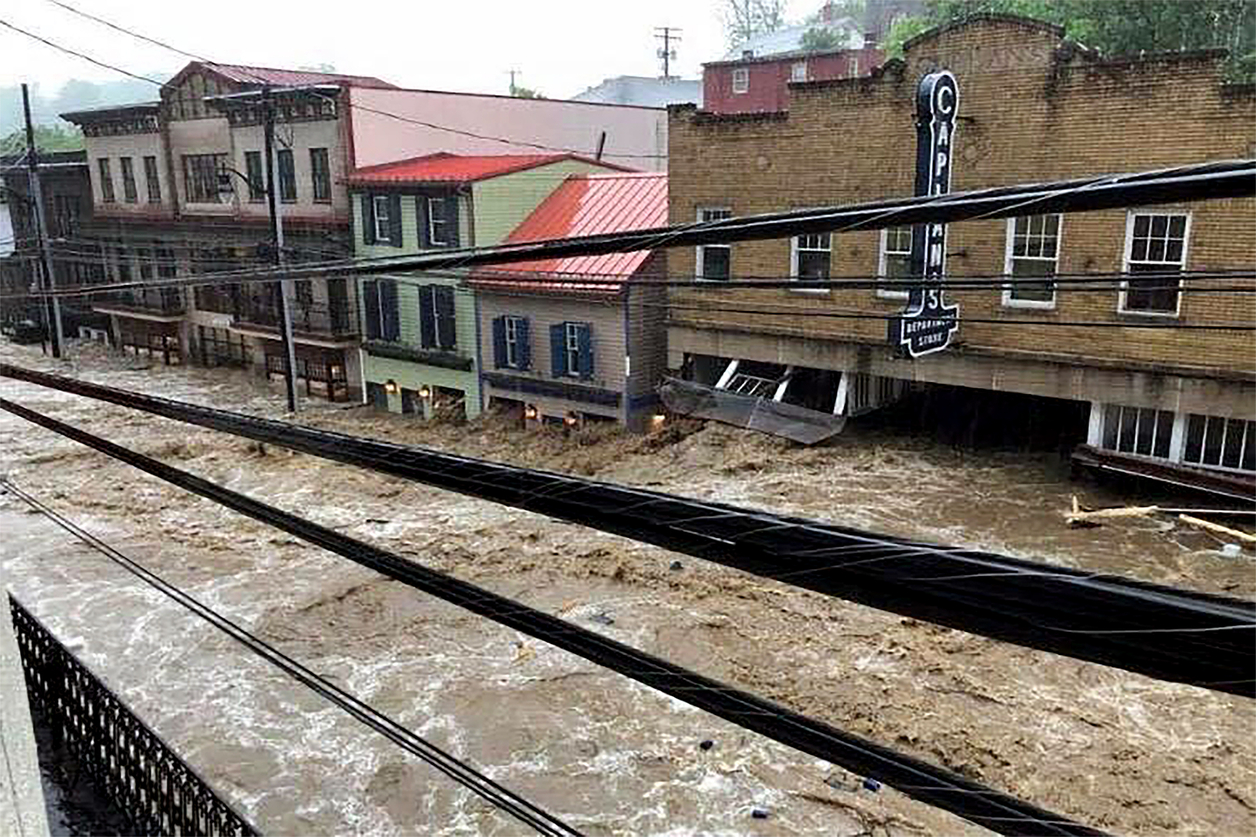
1112 749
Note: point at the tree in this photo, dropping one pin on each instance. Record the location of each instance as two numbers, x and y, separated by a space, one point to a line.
1118 27
744 19
822 39
47 138
525 93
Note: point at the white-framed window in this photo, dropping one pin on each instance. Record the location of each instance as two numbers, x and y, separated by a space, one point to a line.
810 258
1155 242
511 330
571 347
853 72
437 221
1140 430
894 263
1220 442
383 222
741 80
798 71
1032 255
714 261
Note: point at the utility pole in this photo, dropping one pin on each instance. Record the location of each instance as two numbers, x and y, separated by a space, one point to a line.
52 306
667 34
276 232
513 73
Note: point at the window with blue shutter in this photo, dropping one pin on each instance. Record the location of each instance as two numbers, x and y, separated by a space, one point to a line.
427 317
368 220
390 314
446 324
370 300
523 344
584 350
558 351
499 342
394 216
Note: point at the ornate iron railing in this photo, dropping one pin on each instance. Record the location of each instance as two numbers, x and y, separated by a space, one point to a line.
152 787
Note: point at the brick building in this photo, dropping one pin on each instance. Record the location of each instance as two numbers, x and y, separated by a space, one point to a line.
1033 107
754 83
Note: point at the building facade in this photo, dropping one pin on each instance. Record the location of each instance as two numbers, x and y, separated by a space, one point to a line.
179 190
756 84
421 344
1033 107
571 340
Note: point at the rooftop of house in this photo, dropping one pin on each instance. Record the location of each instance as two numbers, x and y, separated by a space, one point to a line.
587 204
246 75
645 91
444 167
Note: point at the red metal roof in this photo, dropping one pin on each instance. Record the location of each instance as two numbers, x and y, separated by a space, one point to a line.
589 204
242 74
444 167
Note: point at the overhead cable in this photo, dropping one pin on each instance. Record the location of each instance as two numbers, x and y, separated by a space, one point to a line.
1171 634
920 780
505 800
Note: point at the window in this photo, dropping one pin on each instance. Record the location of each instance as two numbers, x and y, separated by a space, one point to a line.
437 221
383 218
798 72
287 176
151 180
129 193
320 175
379 302
741 80
437 324
714 260
257 179
1033 251
512 341
106 181
895 261
1220 442
571 350
1137 430
65 215
811 257
167 267
200 177
1154 243
854 67
144 257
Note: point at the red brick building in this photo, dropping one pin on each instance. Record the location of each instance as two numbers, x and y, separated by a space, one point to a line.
753 84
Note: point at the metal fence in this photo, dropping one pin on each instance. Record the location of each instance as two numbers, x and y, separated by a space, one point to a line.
154 788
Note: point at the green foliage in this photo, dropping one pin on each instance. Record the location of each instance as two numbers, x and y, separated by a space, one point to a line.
744 19
525 93
47 138
1117 27
821 39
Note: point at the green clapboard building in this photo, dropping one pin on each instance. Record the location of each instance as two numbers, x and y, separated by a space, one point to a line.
420 341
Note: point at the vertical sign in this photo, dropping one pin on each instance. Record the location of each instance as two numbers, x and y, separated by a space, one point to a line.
928 322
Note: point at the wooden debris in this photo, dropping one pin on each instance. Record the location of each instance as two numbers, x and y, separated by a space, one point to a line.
1234 535
1079 517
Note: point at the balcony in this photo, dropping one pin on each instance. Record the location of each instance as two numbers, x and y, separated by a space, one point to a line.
317 322
155 304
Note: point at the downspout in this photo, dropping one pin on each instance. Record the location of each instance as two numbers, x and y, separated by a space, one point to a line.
626 408
475 300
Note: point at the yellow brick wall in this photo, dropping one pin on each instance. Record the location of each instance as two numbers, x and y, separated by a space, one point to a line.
1031 108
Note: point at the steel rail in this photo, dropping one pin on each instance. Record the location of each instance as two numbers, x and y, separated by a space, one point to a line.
920 780
1170 634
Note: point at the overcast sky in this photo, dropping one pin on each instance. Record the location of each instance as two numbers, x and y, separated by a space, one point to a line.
560 47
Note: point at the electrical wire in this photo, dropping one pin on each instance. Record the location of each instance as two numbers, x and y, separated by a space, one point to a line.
1028 603
920 780
465 775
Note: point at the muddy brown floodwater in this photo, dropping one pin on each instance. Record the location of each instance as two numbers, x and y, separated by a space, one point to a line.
1109 748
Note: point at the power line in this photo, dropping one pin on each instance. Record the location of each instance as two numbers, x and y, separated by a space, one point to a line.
497 795
1183 183
364 108
1162 632
920 780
